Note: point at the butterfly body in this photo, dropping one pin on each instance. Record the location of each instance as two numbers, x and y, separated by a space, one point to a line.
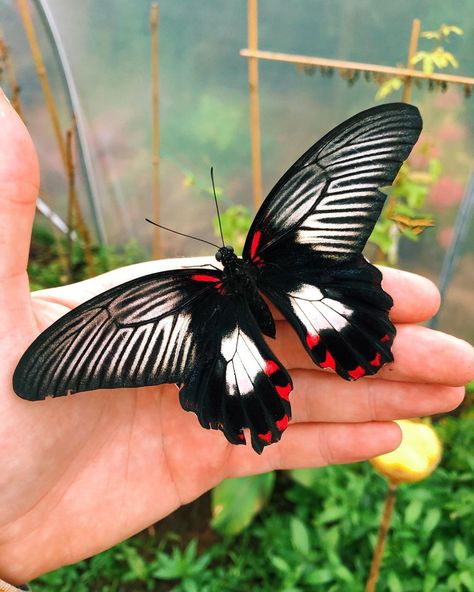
204 328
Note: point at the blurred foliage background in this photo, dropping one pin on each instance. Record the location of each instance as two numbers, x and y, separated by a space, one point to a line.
302 530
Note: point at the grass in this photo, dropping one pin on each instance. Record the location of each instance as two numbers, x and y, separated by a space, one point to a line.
317 533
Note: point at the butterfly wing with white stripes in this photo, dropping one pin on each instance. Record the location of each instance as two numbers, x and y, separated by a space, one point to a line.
179 326
307 238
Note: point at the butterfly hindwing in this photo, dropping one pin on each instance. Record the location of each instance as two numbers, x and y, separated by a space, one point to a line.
341 316
306 240
237 382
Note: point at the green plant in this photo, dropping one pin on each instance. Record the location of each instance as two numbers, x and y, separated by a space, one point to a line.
236 221
316 534
47 269
435 58
403 215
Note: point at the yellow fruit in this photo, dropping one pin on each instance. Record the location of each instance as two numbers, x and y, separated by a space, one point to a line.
417 456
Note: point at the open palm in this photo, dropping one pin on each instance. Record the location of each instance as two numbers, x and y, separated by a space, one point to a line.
81 473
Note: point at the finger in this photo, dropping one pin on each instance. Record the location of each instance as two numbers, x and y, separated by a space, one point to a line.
317 445
326 398
400 284
415 298
19 182
421 355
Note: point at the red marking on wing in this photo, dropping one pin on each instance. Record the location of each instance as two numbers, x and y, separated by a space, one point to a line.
284 391
377 360
271 367
385 338
204 278
312 340
255 242
266 437
241 437
282 424
329 362
357 372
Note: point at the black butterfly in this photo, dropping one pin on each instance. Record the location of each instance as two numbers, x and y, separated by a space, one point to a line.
203 329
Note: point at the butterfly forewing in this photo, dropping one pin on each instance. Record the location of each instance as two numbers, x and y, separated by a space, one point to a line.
329 200
137 334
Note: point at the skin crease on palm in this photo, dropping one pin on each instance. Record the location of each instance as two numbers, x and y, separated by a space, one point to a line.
81 473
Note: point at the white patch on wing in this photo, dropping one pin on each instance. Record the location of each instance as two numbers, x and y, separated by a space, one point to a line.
244 362
317 312
306 292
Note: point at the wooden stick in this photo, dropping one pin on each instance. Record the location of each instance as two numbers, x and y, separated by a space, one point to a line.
43 77
415 33
70 173
381 537
11 78
155 130
358 66
75 218
252 22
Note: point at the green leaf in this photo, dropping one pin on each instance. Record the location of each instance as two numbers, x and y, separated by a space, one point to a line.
279 564
308 477
343 573
299 536
460 551
393 582
431 521
388 87
189 585
410 553
435 168
331 514
466 578
136 563
319 576
436 556
236 501
429 582
413 511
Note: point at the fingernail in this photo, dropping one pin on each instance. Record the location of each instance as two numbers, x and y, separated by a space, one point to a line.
4 96
3 99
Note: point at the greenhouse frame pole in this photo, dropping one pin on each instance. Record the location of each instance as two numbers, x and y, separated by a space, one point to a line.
52 31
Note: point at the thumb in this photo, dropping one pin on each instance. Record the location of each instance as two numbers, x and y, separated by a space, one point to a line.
19 184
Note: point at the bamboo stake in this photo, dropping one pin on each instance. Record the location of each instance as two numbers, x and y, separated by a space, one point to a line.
75 218
71 198
357 66
43 77
65 143
11 78
155 130
252 14
382 536
415 33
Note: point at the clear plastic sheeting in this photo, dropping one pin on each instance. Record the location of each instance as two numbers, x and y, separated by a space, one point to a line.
204 110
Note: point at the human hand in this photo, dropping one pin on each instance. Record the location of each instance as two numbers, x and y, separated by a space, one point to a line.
82 473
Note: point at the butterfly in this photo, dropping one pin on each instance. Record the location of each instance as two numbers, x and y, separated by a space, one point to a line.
204 328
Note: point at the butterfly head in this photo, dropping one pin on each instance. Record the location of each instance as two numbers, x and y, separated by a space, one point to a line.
226 255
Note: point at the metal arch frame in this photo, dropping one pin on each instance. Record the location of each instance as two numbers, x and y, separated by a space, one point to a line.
72 95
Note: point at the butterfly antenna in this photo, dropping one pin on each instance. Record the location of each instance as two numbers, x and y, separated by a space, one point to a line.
217 205
182 233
